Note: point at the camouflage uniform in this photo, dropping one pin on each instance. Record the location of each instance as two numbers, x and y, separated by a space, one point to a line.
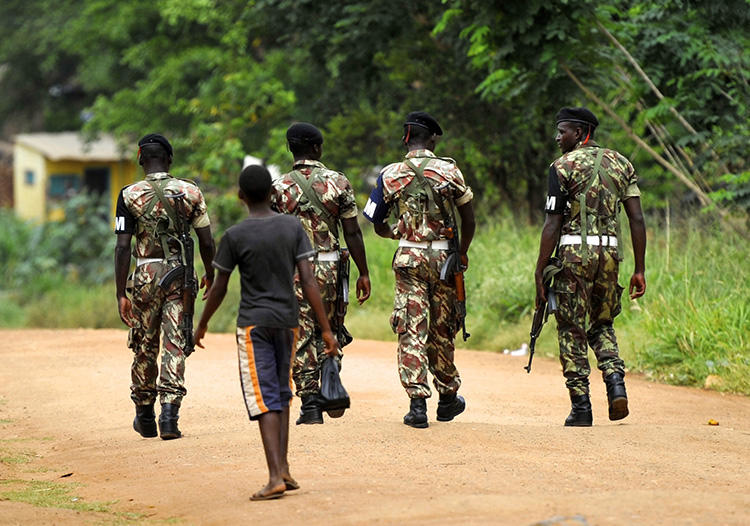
423 308
156 311
587 284
337 195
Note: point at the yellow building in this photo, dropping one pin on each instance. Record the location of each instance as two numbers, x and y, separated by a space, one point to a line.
48 167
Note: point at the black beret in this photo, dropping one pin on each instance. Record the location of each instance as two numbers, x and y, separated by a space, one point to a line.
155 138
425 120
577 115
304 133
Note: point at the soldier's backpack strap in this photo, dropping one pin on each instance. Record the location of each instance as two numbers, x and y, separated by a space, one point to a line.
583 209
432 197
164 232
610 184
312 196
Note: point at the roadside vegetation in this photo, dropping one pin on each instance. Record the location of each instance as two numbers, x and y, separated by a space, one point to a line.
689 329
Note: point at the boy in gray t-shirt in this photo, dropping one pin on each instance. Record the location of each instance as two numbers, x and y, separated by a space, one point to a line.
267 247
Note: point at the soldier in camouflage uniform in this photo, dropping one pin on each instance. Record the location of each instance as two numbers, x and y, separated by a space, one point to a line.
150 311
587 184
424 315
323 200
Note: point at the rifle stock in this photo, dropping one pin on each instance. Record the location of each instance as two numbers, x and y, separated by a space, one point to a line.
545 309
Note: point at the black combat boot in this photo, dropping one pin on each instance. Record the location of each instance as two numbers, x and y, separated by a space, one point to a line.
580 413
449 406
145 420
417 415
310 412
616 396
168 421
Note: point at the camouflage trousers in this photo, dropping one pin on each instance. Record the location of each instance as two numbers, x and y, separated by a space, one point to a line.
587 291
156 313
424 319
310 347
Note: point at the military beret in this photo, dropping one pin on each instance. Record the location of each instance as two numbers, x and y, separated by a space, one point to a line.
304 133
155 138
578 115
425 120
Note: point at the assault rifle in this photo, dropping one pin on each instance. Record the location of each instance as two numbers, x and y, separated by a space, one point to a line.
342 298
453 266
186 272
543 311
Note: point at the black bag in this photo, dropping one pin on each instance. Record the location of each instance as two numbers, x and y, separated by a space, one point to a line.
335 398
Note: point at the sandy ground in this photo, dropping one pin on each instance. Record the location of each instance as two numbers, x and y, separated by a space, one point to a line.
506 460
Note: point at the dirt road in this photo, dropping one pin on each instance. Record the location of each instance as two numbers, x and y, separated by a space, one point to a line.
65 408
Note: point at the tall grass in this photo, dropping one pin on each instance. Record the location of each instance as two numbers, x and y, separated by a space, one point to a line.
693 322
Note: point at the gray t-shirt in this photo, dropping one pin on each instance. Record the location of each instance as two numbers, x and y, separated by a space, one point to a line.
266 250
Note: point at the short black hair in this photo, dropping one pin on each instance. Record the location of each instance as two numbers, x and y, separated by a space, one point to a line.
416 134
302 149
255 183
153 151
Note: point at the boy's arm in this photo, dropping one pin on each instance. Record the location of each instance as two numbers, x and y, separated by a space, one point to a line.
215 296
208 251
312 295
356 246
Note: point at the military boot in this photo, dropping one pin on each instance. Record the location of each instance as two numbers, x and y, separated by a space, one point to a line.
449 406
580 412
616 396
417 415
310 412
145 420
168 421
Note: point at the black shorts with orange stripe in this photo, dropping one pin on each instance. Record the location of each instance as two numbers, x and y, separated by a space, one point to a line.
265 362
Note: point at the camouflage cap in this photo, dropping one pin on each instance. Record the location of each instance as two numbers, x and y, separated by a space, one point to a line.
304 133
425 120
156 138
578 115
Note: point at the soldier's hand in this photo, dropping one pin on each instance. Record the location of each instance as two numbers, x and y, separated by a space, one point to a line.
363 289
200 332
126 311
206 282
332 346
637 285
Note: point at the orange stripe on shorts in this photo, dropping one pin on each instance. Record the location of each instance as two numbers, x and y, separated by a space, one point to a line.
253 371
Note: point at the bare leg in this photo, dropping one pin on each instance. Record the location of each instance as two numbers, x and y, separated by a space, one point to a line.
291 484
270 433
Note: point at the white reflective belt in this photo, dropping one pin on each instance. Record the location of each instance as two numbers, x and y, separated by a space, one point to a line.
606 241
438 244
328 256
144 261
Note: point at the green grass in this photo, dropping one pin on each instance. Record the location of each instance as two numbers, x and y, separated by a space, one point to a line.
692 323
45 494
15 457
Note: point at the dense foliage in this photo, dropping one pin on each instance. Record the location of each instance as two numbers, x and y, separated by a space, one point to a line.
224 79
669 80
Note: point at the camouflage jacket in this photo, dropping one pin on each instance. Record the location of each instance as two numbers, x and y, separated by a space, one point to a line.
574 171
415 222
334 191
133 203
